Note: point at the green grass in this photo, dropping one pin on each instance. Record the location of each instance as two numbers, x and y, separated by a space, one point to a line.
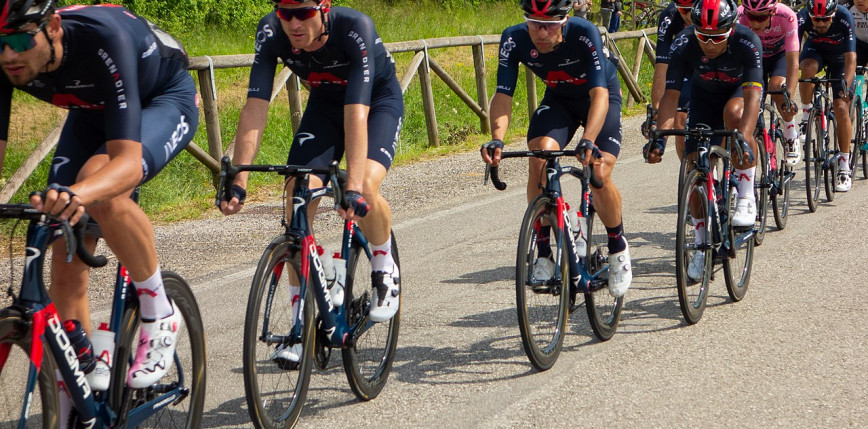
184 189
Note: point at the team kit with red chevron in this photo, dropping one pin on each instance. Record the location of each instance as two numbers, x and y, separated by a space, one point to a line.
133 107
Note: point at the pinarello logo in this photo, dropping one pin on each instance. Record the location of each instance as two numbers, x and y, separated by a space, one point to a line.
534 53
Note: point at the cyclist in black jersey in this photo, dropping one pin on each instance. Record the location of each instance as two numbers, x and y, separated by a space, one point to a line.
725 60
582 89
355 106
672 20
132 108
830 43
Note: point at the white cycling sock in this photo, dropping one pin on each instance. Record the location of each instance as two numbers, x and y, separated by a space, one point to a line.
806 110
382 257
844 163
699 226
153 302
64 400
790 129
295 297
745 183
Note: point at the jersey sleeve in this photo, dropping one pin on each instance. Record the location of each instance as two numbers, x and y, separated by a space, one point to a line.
360 50
678 65
850 39
804 24
264 61
118 63
593 43
790 26
752 58
507 65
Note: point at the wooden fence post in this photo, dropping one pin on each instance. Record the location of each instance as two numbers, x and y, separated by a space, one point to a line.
293 86
481 88
530 81
637 64
212 117
428 104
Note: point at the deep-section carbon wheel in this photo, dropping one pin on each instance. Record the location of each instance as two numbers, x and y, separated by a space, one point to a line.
692 246
783 178
737 265
604 310
813 160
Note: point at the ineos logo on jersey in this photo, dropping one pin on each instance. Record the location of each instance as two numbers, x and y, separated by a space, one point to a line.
303 137
265 33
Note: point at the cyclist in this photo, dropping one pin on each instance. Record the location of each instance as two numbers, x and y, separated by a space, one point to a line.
726 62
859 10
776 26
132 108
355 106
672 20
582 89
830 43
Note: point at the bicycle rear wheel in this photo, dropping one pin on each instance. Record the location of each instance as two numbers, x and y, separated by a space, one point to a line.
15 336
542 305
368 362
604 310
813 160
858 134
782 178
830 171
761 190
276 388
739 261
693 293
187 371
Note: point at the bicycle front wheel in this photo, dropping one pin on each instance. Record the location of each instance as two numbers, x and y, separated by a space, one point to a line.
692 247
761 190
15 339
813 160
604 310
187 371
275 383
369 361
858 134
782 178
830 170
737 264
541 303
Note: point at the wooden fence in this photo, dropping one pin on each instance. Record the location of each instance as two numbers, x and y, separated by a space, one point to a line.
421 64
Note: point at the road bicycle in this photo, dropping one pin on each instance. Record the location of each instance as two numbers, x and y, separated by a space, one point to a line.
709 191
859 118
642 14
773 174
544 305
822 149
275 390
34 349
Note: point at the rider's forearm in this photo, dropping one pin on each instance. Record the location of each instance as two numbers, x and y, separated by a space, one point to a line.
500 111
251 125
792 73
668 104
747 123
597 113
356 144
658 84
849 68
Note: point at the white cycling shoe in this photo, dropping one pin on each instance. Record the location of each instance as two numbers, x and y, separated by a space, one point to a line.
745 213
156 351
844 183
543 269
620 273
696 266
794 151
386 295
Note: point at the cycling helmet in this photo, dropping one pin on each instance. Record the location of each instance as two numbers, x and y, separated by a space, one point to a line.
758 6
547 8
822 8
15 14
714 14
293 2
683 3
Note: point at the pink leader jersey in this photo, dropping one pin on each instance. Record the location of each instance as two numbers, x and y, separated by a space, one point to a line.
781 34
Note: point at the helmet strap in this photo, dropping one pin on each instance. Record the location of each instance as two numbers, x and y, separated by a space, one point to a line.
325 31
53 57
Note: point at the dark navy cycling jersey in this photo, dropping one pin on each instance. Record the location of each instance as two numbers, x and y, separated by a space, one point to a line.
113 61
353 67
668 26
574 67
739 65
837 40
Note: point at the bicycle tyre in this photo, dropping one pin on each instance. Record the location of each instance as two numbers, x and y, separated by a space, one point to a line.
192 362
604 310
44 412
781 198
761 187
271 403
830 171
738 263
813 160
692 295
858 134
369 361
542 314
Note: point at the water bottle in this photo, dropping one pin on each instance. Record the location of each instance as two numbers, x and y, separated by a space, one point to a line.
719 212
579 228
336 290
103 349
80 344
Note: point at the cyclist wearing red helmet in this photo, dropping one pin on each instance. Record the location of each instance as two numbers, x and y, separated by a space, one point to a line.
582 88
830 43
776 26
725 60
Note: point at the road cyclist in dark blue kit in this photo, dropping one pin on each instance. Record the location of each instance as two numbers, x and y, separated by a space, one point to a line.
132 108
355 107
725 61
582 88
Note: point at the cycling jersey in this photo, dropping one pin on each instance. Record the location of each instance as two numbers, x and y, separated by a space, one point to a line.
353 67
860 24
575 66
669 25
780 35
740 65
836 41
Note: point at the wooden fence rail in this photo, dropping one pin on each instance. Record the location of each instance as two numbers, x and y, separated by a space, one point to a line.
421 64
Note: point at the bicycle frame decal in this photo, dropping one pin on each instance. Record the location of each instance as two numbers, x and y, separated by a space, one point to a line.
309 253
68 353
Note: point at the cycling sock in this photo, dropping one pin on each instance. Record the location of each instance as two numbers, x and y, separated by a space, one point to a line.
790 130
699 226
543 243
153 302
295 297
64 400
617 242
844 163
382 257
745 183
806 110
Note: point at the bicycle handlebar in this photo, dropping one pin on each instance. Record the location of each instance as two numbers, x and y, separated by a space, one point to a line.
544 154
229 171
741 145
74 234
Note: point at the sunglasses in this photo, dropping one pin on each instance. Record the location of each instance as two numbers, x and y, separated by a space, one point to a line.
21 42
713 38
822 18
301 13
757 18
684 10
548 25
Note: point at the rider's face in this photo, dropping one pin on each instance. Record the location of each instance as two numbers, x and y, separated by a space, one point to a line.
822 24
302 23
22 67
759 22
546 33
862 5
713 42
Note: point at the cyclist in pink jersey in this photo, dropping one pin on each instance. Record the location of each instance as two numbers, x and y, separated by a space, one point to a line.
777 27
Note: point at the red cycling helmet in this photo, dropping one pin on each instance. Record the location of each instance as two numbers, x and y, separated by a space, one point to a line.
715 14
15 14
822 8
